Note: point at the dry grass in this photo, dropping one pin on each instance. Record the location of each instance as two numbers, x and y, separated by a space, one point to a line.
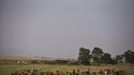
7 69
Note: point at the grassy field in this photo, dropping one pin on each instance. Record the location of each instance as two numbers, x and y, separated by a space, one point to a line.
7 69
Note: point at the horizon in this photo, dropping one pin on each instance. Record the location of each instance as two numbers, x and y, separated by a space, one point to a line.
32 55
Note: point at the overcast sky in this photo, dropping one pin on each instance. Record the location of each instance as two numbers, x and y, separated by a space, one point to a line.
58 28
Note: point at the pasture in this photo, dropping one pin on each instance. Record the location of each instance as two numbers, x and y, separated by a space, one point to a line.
7 69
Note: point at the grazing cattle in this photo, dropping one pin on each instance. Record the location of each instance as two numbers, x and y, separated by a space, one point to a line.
101 72
62 73
117 72
67 73
57 73
77 72
87 72
42 73
74 72
70 73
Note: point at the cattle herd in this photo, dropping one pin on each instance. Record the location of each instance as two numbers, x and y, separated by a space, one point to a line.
72 72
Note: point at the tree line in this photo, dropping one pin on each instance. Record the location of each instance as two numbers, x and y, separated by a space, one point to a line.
97 57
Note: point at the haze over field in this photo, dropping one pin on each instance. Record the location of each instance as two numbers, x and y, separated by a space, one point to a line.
58 28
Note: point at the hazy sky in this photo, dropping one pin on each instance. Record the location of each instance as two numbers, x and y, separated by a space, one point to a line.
58 28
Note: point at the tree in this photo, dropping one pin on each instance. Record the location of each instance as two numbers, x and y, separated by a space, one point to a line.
84 56
97 54
106 58
129 56
119 58
97 51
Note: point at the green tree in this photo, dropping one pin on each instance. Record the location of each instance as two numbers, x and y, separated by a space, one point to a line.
84 56
106 58
129 56
97 54
119 58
